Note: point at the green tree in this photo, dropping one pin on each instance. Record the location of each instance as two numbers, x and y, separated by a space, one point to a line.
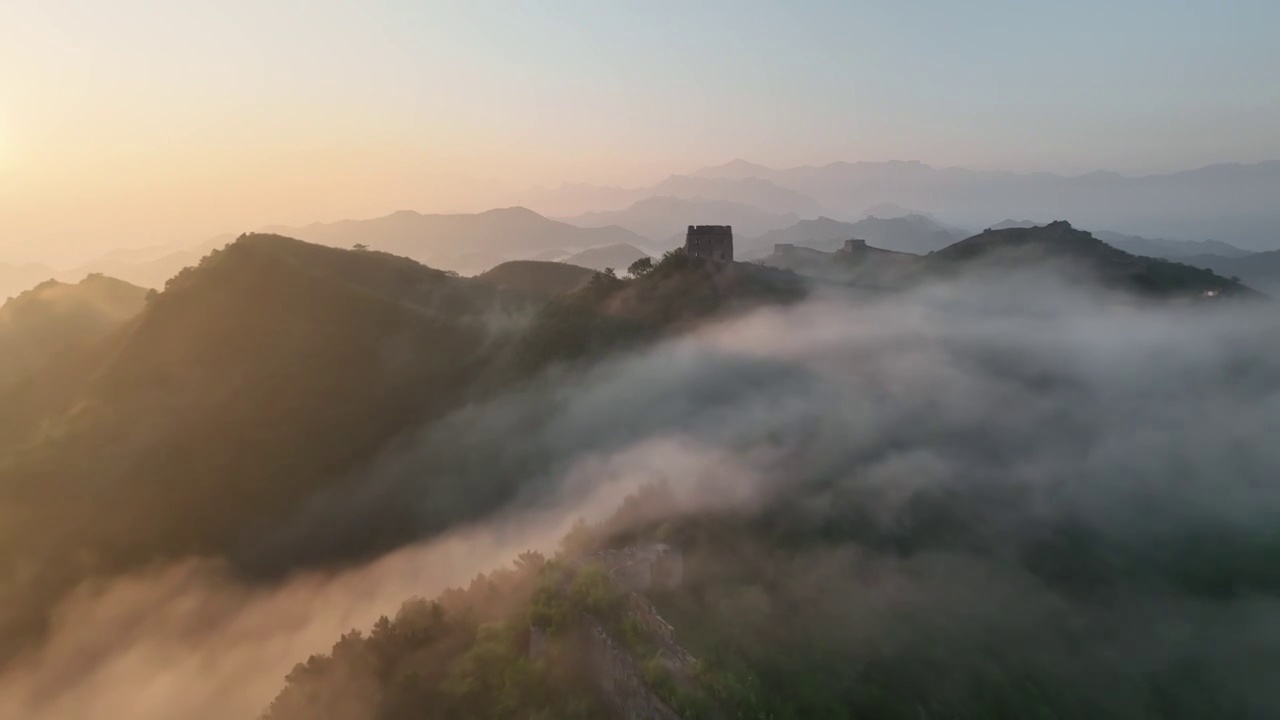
640 267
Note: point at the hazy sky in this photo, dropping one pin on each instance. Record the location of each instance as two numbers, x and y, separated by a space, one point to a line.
132 122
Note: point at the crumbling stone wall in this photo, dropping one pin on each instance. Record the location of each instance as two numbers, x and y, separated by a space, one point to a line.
647 614
675 658
620 678
643 568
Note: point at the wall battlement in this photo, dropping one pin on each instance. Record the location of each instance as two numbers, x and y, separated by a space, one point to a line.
710 242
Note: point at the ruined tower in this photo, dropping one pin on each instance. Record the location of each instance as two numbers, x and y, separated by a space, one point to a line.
712 242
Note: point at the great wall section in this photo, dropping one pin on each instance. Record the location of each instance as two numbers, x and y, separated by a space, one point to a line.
616 673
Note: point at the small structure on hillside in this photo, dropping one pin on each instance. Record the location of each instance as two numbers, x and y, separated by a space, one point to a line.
854 245
710 242
641 568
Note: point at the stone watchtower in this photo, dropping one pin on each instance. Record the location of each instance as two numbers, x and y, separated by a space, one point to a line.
711 242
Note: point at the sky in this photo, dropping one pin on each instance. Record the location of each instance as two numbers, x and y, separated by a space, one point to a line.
138 122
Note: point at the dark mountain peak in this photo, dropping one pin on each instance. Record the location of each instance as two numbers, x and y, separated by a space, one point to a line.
1054 236
911 217
1078 254
92 289
1011 223
537 278
741 164
823 221
259 253
462 242
514 212
54 316
618 256
889 210
736 168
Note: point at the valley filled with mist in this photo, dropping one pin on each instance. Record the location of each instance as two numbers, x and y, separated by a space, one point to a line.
639 361
1026 473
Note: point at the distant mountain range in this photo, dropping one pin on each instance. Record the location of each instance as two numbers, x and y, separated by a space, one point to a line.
55 317
1150 247
1057 245
1233 203
812 206
861 264
767 197
466 243
660 218
1169 249
145 267
1259 270
912 233
1230 203
618 257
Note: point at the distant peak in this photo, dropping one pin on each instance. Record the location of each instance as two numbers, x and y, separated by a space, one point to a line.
739 163
513 211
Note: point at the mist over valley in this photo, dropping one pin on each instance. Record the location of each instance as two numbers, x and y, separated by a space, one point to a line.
416 361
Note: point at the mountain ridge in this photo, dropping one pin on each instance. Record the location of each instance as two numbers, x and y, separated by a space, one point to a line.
1228 201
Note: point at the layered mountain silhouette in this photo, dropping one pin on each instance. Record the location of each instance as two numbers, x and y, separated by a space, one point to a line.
537 278
266 376
1056 246
618 257
664 217
146 267
466 243
912 233
252 382
855 262
821 233
1229 202
1259 270
54 318
768 197
1169 249
1150 247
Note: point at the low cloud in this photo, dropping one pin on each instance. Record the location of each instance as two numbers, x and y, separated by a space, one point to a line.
971 422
